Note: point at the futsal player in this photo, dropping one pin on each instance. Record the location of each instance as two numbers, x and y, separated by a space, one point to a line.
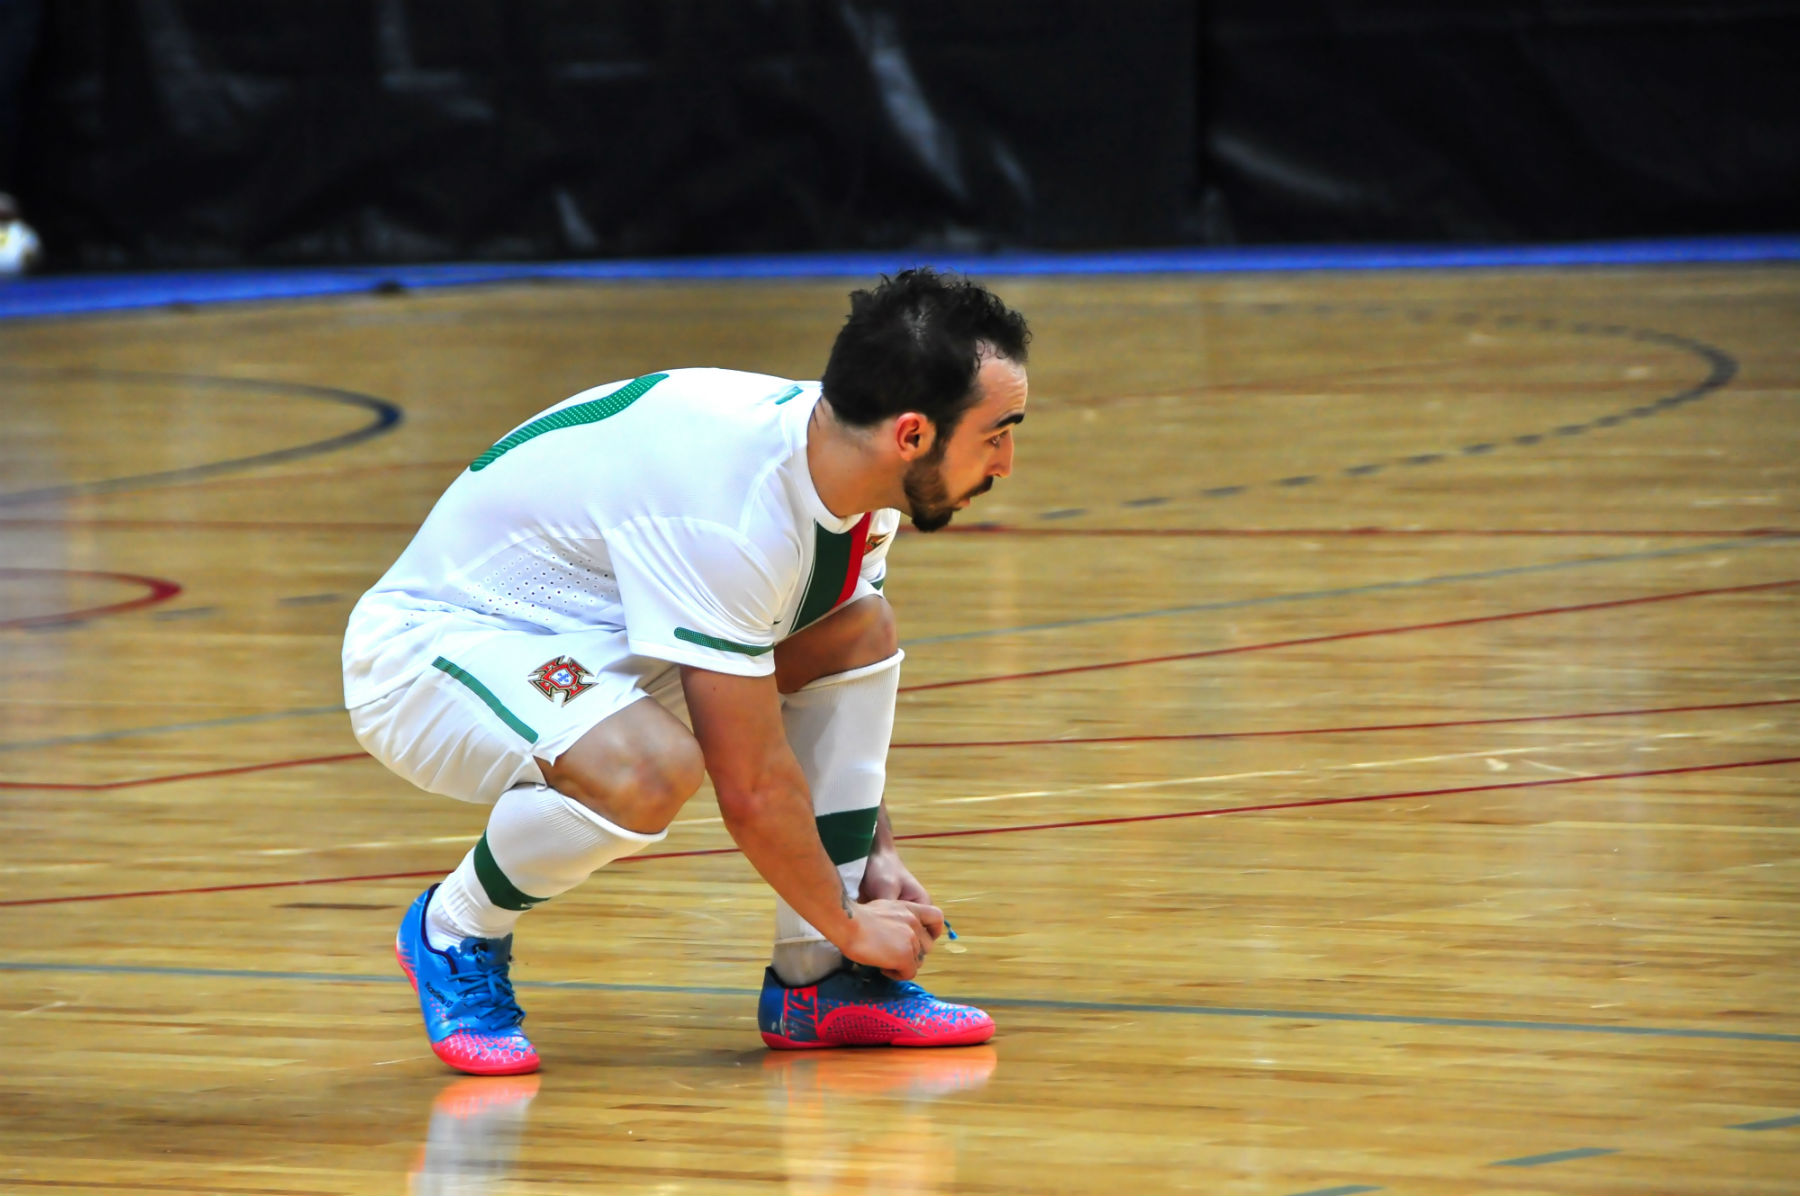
674 576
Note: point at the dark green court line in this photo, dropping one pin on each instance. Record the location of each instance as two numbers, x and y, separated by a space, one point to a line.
1774 1123
1287 1015
1555 1156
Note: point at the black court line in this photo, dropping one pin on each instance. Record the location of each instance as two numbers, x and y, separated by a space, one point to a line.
386 417
1722 367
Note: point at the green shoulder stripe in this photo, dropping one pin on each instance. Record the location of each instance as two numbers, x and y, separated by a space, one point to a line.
590 412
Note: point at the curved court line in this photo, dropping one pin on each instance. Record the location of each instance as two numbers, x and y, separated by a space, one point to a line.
1060 1006
386 417
1722 367
1334 637
919 836
160 591
1378 587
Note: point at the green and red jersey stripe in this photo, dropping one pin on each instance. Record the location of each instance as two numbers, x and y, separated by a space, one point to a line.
837 563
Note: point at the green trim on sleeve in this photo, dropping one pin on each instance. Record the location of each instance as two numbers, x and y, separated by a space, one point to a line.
713 641
487 695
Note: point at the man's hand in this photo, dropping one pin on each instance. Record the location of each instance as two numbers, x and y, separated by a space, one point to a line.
888 878
894 936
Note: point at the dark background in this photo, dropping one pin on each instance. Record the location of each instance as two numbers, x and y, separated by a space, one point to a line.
159 133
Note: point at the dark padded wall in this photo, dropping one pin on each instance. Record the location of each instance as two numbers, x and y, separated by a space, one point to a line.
211 132
1481 119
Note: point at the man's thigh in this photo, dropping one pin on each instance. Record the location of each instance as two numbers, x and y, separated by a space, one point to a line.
493 704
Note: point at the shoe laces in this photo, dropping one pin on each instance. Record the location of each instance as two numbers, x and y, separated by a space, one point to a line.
887 988
484 991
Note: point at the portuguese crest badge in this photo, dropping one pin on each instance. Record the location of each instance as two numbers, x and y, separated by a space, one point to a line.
562 680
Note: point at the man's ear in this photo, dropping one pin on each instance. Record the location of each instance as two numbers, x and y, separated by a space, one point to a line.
914 435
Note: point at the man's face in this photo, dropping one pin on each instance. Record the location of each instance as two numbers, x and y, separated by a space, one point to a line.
965 463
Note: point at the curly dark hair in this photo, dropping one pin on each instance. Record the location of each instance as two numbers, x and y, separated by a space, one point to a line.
914 344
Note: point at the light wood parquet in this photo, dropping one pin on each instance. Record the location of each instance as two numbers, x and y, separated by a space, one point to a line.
1358 748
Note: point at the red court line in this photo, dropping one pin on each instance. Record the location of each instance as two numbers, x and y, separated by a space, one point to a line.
90 786
215 525
160 591
1351 635
1008 529
1291 733
1345 801
979 529
1346 635
1211 812
1284 733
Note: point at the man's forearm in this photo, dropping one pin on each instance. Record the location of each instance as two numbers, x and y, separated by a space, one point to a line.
776 831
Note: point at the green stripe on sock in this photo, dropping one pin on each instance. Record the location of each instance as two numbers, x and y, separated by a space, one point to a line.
487 695
848 835
590 412
501 891
713 641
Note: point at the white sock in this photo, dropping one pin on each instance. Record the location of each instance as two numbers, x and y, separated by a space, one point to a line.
839 728
538 843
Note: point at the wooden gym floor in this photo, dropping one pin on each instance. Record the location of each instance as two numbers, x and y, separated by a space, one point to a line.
1358 749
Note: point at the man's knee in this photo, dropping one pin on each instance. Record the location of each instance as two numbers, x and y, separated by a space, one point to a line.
636 769
863 633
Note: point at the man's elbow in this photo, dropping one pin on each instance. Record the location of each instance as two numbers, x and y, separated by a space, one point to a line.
757 800
741 805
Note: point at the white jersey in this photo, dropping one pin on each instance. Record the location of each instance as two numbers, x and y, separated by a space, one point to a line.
677 506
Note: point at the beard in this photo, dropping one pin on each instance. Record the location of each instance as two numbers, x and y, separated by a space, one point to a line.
927 498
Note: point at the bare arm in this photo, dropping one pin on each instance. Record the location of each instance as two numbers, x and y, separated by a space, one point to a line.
768 811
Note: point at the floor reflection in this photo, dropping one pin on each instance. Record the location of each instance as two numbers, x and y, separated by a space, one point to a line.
473 1140
867 1121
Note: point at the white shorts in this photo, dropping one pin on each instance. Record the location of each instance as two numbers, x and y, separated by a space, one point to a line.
494 703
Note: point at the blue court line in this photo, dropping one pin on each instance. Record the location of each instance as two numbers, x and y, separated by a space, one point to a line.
1555 1156
1346 1190
74 294
1286 1015
1352 591
1774 1123
1164 612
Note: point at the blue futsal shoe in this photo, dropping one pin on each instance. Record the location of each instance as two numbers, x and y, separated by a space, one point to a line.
471 1018
858 1006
